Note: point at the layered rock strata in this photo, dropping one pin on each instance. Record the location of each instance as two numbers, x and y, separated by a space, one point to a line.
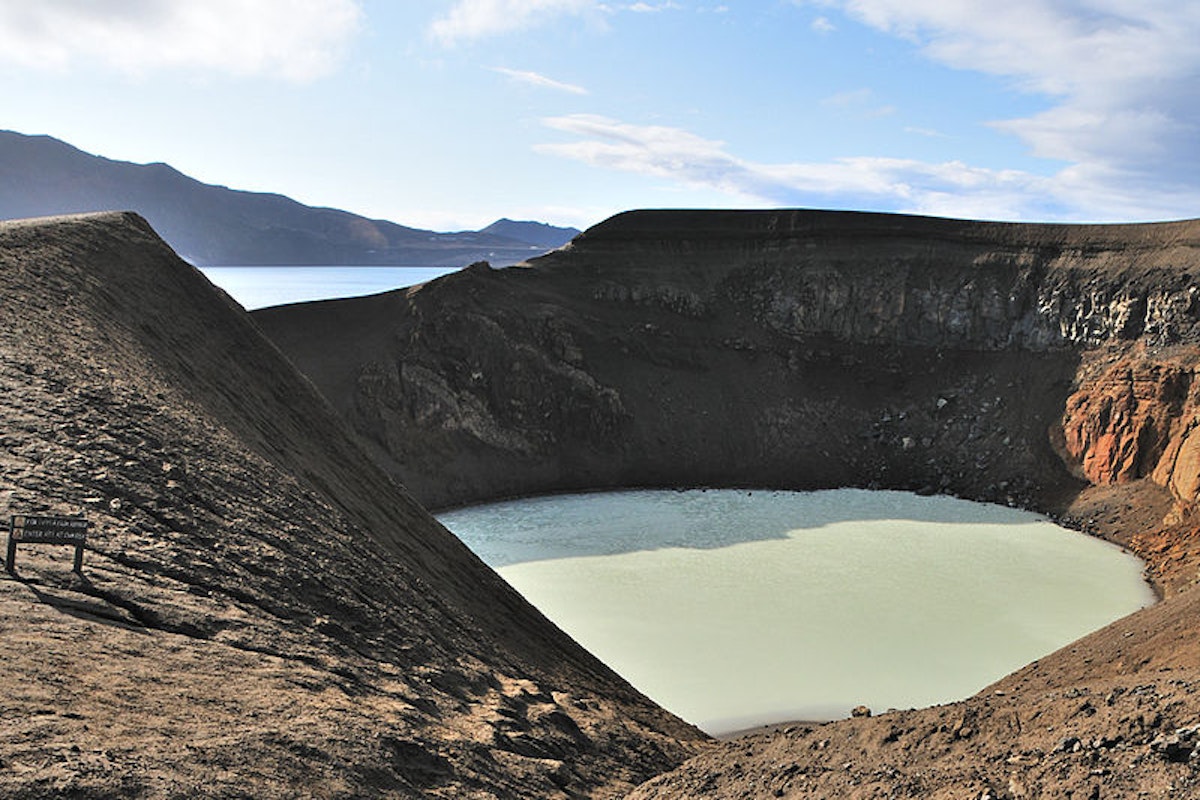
791 349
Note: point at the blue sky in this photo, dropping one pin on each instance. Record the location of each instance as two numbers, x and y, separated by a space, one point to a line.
449 114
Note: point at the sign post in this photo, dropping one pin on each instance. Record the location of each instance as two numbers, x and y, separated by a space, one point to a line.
46 530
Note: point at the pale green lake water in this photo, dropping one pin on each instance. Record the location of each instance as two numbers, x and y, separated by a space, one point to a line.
735 609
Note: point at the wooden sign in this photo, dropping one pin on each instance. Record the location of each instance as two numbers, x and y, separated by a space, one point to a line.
24 529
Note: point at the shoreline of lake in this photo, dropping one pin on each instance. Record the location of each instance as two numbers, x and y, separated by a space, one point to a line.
652 568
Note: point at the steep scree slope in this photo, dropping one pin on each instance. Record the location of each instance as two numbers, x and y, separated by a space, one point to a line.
262 612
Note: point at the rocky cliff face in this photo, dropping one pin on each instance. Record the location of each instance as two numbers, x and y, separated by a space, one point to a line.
871 278
262 611
1133 416
793 349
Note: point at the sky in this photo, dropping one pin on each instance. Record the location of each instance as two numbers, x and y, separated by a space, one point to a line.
450 114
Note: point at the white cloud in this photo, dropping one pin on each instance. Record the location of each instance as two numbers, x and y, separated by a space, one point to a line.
858 100
929 133
477 19
648 8
850 97
823 25
293 39
949 188
539 80
1122 78
1056 46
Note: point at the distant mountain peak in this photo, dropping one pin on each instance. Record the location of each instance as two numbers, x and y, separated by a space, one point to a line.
536 233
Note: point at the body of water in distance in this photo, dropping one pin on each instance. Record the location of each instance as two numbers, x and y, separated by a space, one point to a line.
735 609
259 287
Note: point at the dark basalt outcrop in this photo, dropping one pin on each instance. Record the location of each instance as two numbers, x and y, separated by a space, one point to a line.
263 612
785 349
1046 366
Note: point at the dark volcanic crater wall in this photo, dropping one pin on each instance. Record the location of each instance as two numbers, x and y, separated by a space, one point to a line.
790 349
1050 366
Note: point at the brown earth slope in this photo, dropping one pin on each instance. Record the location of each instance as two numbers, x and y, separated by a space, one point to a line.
1046 366
262 611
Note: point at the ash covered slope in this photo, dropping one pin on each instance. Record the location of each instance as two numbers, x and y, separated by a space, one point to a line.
263 612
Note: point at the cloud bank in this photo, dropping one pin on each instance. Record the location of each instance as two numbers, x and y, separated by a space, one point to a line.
701 163
949 188
297 40
1122 79
1120 130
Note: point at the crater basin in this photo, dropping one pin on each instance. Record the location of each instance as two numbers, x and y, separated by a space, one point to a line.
737 608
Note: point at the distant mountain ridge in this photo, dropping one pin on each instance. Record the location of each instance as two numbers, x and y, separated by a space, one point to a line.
538 233
215 225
